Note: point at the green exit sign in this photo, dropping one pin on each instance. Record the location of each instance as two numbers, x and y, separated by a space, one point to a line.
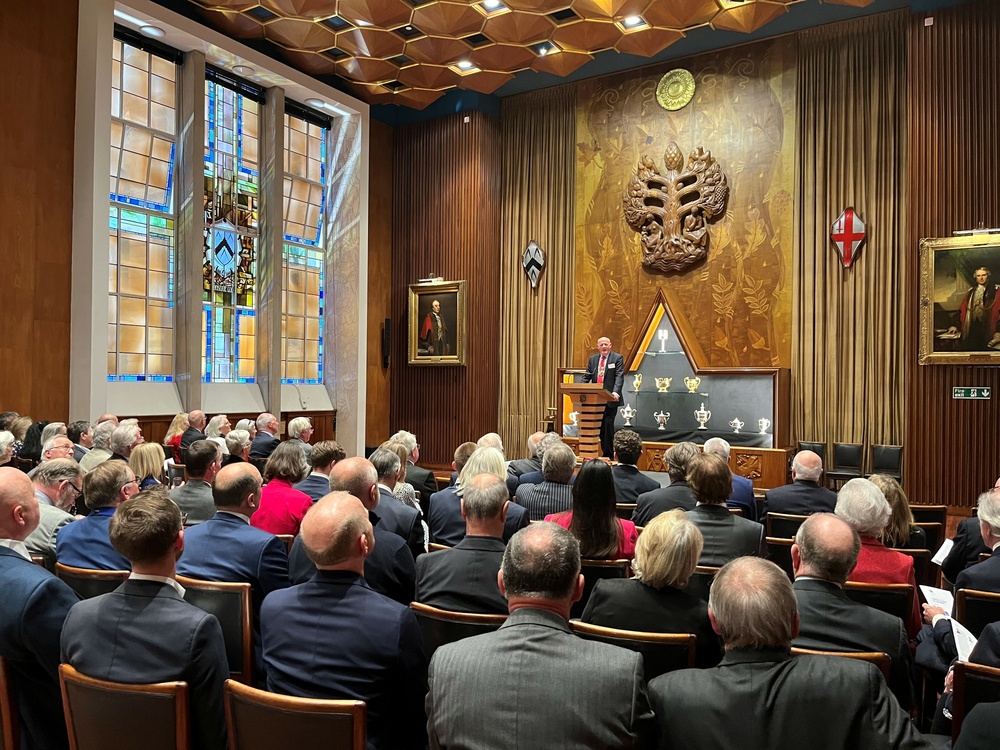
978 394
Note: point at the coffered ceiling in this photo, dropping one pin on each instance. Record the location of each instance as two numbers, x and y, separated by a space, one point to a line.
409 52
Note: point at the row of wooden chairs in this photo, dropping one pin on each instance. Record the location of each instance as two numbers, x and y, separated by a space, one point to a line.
625 511
848 460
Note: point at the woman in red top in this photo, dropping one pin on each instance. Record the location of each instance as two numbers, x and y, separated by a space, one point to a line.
174 433
593 520
282 507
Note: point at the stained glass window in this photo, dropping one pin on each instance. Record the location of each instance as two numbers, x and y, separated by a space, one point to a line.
302 254
140 219
229 268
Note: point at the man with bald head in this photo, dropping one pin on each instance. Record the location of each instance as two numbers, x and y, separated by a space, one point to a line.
520 466
227 548
762 694
196 429
334 637
823 556
804 495
33 608
389 567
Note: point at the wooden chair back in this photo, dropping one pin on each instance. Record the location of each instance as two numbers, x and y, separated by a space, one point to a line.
984 556
738 512
925 572
258 720
661 652
230 603
289 540
976 609
779 551
440 626
934 532
435 547
10 728
90 583
973 684
879 658
595 570
701 581
102 715
930 514
176 475
894 598
887 460
783 525
625 510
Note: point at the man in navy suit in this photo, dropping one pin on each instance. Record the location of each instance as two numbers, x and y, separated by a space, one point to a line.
804 496
267 436
85 543
742 493
322 458
32 610
629 481
144 631
396 516
196 429
608 368
334 637
389 568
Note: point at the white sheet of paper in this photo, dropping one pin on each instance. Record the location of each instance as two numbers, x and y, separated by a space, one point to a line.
942 553
964 640
938 598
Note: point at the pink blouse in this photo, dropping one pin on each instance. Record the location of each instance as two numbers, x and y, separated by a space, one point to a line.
626 547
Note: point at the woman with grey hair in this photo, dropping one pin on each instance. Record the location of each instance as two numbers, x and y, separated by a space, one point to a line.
864 508
218 428
249 425
238 447
6 446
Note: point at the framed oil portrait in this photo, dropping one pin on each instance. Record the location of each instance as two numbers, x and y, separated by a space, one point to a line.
437 323
960 300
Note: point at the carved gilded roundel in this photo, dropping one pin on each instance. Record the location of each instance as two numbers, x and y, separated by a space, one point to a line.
675 89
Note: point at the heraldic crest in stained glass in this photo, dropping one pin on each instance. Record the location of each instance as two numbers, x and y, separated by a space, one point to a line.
671 211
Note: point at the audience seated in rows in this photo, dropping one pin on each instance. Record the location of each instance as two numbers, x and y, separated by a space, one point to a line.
266 441
85 543
396 516
536 476
237 447
389 567
195 430
863 506
593 520
741 495
677 494
464 578
726 535
805 495
58 487
334 637
554 494
422 479
629 481
100 452
322 458
144 631
282 507
532 683
824 554
32 610
902 531
520 466
147 462
655 601
194 497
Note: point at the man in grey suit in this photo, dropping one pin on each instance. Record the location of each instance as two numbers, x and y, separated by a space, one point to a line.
564 691
726 535
58 487
555 493
194 497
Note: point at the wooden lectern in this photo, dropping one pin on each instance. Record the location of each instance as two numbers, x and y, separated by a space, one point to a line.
590 399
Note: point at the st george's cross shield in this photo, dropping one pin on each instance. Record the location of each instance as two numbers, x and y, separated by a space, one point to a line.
848 235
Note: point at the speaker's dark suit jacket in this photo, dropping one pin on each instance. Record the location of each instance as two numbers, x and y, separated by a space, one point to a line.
533 684
401 519
144 631
968 545
190 435
333 637
389 569
649 505
86 544
33 607
315 485
981 728
984 576
829 620
630 483
769 700
263 445
614 382
802 497
741 496
463 579
630 604
446 525
727 536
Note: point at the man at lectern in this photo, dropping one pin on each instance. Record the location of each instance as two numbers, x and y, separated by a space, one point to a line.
607 367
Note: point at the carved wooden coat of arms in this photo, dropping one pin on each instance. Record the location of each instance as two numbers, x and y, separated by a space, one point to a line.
671 211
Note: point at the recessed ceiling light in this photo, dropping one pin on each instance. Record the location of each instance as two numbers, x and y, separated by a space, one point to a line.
491 7
314 102
465 64
632 23
545 48
243 70
153 31
491 4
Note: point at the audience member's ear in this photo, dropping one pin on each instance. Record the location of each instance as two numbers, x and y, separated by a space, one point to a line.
179 543
461 504
711 619
503 589
578 591
454 467
503 511
796 559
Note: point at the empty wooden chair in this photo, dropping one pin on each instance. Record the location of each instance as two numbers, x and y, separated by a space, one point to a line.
661 652
700 583
595 570
90 583
441 626
894 598
779 551
102 715
934 532
930 514
973 684
847 458
976 609
888 460
230 603
10 735
878 658
258 720
783 525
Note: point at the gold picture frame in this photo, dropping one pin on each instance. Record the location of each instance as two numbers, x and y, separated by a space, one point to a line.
437 337
951 271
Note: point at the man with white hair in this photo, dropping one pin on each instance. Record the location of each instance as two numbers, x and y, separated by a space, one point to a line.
742 493
986 575
124 439
423 480
521 466
267 436
100 452
56 447
968 546
804 495
300 430
58 487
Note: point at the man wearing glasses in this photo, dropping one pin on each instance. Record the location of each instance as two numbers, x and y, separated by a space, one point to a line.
85 543
58 487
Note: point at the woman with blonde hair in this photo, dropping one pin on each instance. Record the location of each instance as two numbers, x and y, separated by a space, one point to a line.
654 601
146 461
902 531
174 432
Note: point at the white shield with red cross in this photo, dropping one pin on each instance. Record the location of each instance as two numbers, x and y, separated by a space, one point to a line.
848 234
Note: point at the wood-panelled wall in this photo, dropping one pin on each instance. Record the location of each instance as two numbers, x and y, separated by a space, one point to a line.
446 221
37 106
380 194
952 447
